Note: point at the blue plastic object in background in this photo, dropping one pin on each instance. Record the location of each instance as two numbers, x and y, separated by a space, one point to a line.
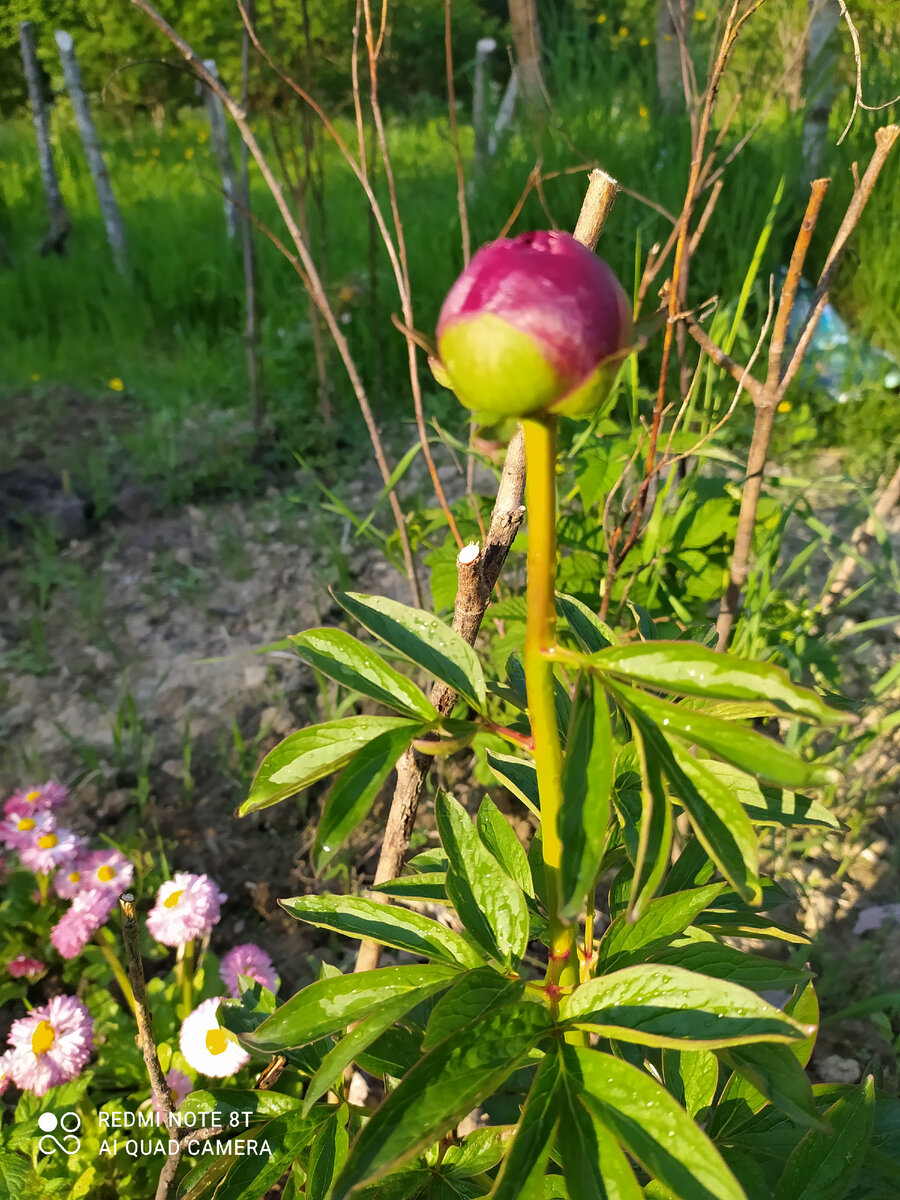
838 361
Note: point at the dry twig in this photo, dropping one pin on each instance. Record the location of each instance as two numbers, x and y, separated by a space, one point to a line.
768 395
316 288
478 569
161 1092
858 101
860 541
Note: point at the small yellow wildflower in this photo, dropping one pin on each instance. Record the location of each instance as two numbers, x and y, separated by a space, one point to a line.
667 37
116 384
155 151
202 136
189 152
644 112
645 41
785 406
699 15
35 376
601 19
623 31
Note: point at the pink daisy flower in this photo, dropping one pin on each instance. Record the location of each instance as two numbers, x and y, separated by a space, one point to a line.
68 882
108 869
25 968
17 830
5 1077
180 1085
48 846
208 1048
250 960
186 907
51 1045
28 801
84 916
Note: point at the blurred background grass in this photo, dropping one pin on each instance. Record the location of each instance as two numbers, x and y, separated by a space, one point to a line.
152 370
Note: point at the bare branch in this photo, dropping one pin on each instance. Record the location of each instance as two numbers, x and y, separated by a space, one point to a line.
858 101
598 202
316 289
476 574
818 188
776 382
161 1091
884 142
859 542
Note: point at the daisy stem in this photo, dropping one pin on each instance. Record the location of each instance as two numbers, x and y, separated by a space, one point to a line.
105 941
186 974
540 637
43 886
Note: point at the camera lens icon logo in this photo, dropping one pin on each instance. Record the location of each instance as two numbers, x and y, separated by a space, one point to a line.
68 1123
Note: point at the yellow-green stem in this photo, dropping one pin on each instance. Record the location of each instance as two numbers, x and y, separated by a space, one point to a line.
103 939
540 636
185 974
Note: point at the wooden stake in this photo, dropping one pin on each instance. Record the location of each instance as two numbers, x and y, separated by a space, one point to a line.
484 48
54 241
251 333
221 149
112 218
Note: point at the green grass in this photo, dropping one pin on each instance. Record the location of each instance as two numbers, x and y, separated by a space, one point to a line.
171 336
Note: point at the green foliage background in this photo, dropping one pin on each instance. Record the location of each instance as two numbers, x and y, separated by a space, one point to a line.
111 34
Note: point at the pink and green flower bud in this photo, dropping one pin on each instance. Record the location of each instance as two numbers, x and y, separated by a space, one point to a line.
535 325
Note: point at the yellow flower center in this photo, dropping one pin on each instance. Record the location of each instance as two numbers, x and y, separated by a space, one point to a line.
74 877
105 874
171 901
216 1041
48 841
26 824
42 1038
31 797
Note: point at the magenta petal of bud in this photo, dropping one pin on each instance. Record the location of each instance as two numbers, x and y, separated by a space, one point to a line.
565 305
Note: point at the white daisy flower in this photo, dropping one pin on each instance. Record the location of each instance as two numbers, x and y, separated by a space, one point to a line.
207 1047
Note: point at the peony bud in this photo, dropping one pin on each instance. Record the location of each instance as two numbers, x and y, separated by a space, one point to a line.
536 324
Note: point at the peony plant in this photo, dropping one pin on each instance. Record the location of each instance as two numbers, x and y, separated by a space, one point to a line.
635 1054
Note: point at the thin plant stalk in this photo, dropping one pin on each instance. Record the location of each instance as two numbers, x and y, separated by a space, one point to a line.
116 967
162 1093
185 971
540 640
310 272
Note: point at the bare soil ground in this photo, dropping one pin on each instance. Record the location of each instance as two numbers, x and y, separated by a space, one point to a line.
151 701
132 672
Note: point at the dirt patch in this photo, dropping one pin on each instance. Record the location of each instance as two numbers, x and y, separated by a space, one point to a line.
132 673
